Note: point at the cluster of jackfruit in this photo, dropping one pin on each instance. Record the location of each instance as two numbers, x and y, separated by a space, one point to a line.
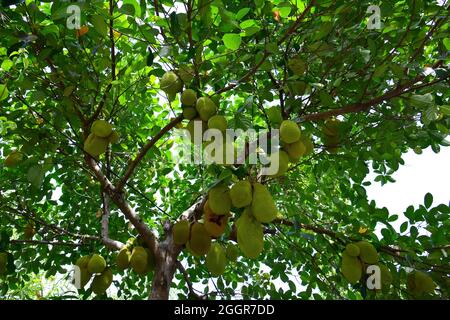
420 284
355 260
136 257
172 82
13 159
102 134
3 263
95 265
331 135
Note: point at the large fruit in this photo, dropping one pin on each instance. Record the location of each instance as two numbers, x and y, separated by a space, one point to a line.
295 150
180 232
85 275
206 108
351 268
352 250
170 83
215 225
101 128
95 146
139 260
280 161
218 122
189 97
368 253
297 66
250 235
308 143
241 194
200 241
102 282
189 113
83 262
13 159
232 252
274 115
289 131
219 199
216 260
263 207
123 258
420 283
97 264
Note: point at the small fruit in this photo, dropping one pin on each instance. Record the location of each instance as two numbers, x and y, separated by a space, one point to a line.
102 282
206 108
368 253
218 122
241 194
351 268
13 159
216 260
97 264
352 250
274 115
297 66
189 97
180 232
214 224
289 131
219 199
263 207
139 260
101 128
170 83
200 241
123 258
232 252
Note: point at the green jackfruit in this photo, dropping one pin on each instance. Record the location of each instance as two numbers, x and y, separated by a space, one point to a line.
386 277
241 194
95 146
250 235
206 108
419 284
274 115
289 131
218 122
101 129
263 207
170 83
232 252
352 250
123 258
351 268
216 260
102 282
97 264
189 97
200 241
180 232
189 113
368 253
295 150
83 262
85 276
139 260
219 200
283 162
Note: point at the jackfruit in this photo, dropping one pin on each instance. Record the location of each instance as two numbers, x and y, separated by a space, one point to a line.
331 127
232 252
219 199
218 122
215 225
368 253
189 97
95 146
297 66
241 194
123 258
200 241
351 268
139 260
352 250
206 108
274 115
170 83
180 232
308 143
263 207
289 131
83 262
101 129
419 283
216 260
13 159
186 73
250 236
295 150
189 113
97 264
282 158
102 282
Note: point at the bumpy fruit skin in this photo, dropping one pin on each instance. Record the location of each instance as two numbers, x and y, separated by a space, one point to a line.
215 225
180 232
289 131
297 66
241 194
123 258
13 159
420 284
274 115
368 253
139 260
189 97
218 122
295 150
97 264
170 83
95 146
232 252
351 268
200 241
219 200
250 235
283 162
101 128
189 113
263 207
206 108
3 262
186 73
216 260
102 282
83 262
352 250
331 127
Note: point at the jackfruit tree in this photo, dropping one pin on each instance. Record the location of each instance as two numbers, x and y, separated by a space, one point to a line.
96 95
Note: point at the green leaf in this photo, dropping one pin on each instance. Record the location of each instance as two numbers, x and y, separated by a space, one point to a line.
428 201
445 109
242 13
447 43
421 101
100 25
3 92
35 176
232 41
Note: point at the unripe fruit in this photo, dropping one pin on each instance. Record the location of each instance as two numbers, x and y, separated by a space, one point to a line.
351 268
282 158
101 128
216 260
289 131
189 113
241 194
232 252
189 97
352 250
97 264
123 259
263 207
214 224
368 253
200 241
180 232
102 282
219 200
139 260
206 108
218 122
170 83
274 115
95 145
250 235
295 150
186 73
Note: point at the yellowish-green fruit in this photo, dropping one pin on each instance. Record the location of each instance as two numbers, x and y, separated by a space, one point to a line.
189 97
263 207
97 264
101 128
216 260
274 115
139 260
3 262
215 225
219 199
420 283
206 108
123 258
295 150
189 113
218 122
114 137
102 282
250 235
308 143
186 73
29 231
200 240
180 232
289 131
297 66
368 253
232 252
95 146
170 83
282 158
351 268
83 262
331 127
352 250
85 276
241 194
13 159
